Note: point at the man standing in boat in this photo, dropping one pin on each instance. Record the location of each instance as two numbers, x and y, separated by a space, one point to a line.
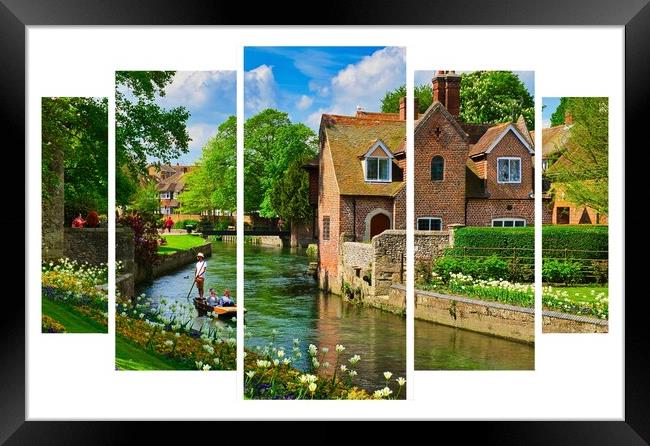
199 273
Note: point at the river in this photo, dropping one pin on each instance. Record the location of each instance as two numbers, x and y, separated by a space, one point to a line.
221 273
438 347
280 296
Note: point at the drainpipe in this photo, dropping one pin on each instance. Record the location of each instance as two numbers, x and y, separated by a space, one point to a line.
354 219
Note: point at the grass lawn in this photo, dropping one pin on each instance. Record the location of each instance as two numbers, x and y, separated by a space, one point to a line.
180 243
583 293
73 321
131 357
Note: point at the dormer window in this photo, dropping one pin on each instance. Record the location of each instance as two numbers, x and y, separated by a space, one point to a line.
378 163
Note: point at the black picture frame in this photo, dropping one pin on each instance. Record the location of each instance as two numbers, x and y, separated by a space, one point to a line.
15 15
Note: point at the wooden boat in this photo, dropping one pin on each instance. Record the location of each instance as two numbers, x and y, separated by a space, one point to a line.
203 307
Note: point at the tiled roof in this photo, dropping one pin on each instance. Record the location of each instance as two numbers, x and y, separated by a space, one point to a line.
174 183
348 136
552 138
491 135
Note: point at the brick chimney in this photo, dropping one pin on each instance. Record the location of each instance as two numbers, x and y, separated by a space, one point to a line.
446 89
402 108
568 118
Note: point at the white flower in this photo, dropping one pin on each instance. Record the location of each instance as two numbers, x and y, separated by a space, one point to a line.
261 363
386 391
250 373
325 349
286 361
353 360
312 387
401 381
352 373
313 349
276 362
199 364
296 341
178 335
326 364
387 375
206 367
169 342
315 362
339 348
344 368
216 361
379 394
280 353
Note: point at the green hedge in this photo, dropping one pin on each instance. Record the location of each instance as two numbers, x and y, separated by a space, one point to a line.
180 224
504 242
577 238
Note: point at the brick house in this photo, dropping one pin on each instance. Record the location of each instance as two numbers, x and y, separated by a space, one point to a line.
470 174
559 210
170 182
357 183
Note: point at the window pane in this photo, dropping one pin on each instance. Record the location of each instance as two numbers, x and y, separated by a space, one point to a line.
519 223
497 224
503 170
371 168
423 224
508 223
437 168
436 224
514 170
383 168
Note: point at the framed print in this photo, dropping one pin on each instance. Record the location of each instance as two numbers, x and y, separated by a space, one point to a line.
514 334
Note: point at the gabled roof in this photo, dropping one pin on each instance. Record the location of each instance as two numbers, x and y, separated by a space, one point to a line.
436 107
174 183
349 136
494 134
378 143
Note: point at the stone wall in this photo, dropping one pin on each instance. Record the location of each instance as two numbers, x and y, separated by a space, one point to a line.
266 240
86 245
555 322
52 224
389 265
430 244
125 248
125 285
506 321
173 262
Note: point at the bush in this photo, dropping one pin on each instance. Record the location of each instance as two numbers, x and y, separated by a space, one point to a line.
577 238
423 270
559 271
499 238
180 224
491 267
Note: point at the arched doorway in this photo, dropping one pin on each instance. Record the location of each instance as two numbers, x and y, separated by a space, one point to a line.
378 224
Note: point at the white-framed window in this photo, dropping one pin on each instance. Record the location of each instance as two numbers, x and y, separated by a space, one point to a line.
509 170
429 224
508 222
164 195
378 168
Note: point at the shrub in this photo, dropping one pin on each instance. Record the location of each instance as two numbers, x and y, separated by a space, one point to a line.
180 224
600 270
423 270
559 241
559 271
491 267
498 238
145 234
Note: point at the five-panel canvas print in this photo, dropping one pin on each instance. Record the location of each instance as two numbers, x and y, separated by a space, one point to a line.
323 229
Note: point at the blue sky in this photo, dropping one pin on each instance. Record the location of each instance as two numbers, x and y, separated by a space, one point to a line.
309 81
551 105
209 96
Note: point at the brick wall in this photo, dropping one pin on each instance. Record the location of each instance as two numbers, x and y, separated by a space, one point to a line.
364 206
481 211
328 206
399 210
443 199
509 145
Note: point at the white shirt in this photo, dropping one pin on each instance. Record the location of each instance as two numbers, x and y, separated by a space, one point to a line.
200 269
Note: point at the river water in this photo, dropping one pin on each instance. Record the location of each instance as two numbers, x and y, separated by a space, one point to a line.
280 296
438 347
221 273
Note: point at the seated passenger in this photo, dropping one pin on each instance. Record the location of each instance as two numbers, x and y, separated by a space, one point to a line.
225 300
213 299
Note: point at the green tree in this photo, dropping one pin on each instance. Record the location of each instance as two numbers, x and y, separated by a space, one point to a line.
271 144
290 194
145 198
493 97
581 170
424 94
143 128
79 128
558 116
213 183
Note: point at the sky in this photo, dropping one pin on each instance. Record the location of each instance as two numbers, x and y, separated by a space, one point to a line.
209 96
549 105
306 82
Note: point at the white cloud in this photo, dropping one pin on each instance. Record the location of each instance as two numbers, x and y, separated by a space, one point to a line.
319 88
200 134
194 88
313 120
546 123
304 102
366 82
260 89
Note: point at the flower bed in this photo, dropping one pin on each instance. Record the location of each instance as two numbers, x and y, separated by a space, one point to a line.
49 325
210 348
269 374
76 285
595 304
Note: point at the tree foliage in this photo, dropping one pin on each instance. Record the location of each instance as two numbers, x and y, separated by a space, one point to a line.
78 127
143 128
493 97
290 194
581 171
558 116
272 143
213 183
145 198
424 94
